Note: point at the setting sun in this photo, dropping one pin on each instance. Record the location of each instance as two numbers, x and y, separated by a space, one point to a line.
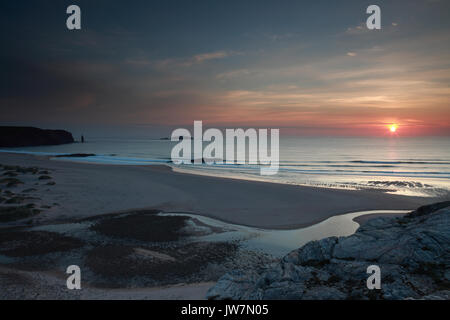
393 128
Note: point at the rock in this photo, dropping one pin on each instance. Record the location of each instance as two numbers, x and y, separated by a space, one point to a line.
324 293
31 136
10 213
439 295
15 200
313 253
11 182
10 174
234 285
282 290
75 155
413 253
424 210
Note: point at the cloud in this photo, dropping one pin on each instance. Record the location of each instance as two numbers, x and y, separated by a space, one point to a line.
196 59
279 37
233 74
179 62
351 54
199 58
357 30
139 62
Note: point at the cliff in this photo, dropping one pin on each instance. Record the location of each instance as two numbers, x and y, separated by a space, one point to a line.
30 136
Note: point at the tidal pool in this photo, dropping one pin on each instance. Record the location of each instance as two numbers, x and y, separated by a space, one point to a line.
280 242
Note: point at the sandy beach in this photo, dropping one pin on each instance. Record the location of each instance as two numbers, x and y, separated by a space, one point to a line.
82 190
107 219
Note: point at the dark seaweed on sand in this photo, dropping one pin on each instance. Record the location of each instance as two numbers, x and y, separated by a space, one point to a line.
20 243
144 227
113 262
8 214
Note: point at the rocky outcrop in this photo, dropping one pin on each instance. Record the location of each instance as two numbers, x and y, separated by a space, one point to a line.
30 136
413 253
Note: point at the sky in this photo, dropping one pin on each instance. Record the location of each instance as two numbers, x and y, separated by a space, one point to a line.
306 67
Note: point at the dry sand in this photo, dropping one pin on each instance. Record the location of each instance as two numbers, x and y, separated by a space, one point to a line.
83 190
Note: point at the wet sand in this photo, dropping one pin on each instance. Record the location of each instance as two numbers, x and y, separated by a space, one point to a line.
82 190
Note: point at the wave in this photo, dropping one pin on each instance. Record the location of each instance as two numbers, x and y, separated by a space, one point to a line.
328 167
400 162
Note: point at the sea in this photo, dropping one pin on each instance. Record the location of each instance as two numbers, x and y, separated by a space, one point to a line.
401 165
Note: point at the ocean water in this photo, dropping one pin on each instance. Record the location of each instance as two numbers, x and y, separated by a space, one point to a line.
411 166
